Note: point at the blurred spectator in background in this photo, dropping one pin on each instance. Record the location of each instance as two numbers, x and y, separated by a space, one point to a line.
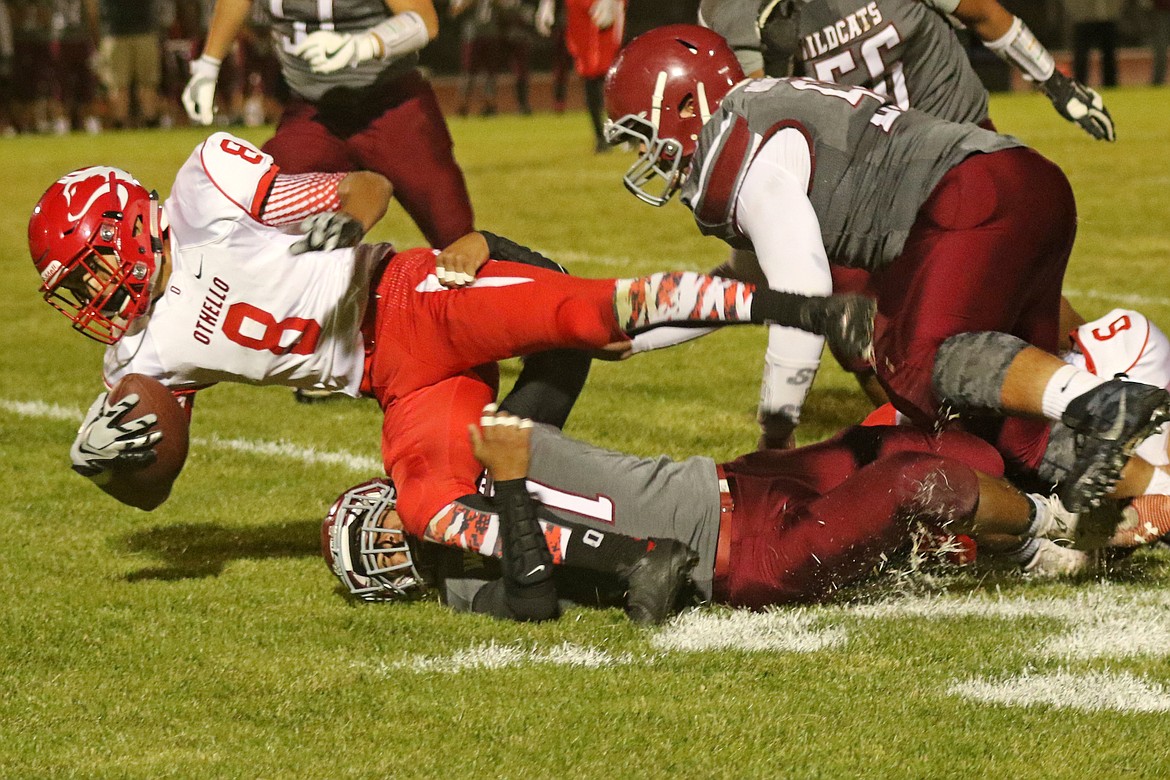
515 45
7 120
1159 38
127 34
31 30
479 37
550 23
357 102
73 84
1094 26
593 35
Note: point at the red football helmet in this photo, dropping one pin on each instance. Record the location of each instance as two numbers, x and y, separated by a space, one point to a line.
373 562
96 239
659 92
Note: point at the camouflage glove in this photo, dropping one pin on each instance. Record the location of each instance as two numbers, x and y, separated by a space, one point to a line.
846 322
327 231
1077 103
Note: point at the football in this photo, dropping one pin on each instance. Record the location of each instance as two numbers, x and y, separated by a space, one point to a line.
148 486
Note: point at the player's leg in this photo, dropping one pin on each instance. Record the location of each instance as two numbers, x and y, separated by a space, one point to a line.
303 145
427 332
806 553
411 146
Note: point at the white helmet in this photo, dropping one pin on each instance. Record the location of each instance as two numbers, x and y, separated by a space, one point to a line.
357 547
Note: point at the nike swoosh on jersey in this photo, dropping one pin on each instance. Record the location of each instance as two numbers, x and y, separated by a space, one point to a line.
199 273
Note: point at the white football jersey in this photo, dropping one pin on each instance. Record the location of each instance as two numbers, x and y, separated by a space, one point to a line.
239 307
1126 342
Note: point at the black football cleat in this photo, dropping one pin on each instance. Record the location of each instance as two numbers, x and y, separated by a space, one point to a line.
656 579
1109 420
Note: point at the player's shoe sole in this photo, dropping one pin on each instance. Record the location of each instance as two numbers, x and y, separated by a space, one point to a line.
655 581
1111 420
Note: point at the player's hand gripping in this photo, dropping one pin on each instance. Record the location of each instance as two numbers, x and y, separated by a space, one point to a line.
1078 103
457 265
106 439
846 322
500 442
199 94
327 231
328 52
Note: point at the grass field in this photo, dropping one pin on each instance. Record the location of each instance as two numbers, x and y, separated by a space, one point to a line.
207 639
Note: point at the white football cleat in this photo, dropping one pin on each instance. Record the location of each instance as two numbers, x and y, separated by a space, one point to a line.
1052 560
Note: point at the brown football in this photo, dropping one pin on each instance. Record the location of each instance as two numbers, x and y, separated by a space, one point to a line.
148 486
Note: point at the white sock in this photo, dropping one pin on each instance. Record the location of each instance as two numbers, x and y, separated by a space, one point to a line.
1159 483
1041 516
1024 554
1066 384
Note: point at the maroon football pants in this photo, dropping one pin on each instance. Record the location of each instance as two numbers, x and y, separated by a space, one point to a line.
988 253
809 521
397 131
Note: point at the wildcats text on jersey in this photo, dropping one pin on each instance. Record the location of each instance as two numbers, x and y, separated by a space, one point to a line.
840 32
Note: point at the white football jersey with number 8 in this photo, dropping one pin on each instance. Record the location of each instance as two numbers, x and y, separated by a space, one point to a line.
239 306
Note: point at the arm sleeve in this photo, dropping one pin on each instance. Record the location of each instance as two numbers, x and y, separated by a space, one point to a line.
526 591
293 197
773 211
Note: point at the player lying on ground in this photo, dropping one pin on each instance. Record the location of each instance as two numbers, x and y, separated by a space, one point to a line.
777 527
228 294
966 234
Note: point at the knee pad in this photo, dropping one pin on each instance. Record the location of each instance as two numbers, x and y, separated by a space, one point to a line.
969 369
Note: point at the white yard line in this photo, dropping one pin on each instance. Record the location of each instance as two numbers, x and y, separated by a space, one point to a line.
1087 691
494 656
283 450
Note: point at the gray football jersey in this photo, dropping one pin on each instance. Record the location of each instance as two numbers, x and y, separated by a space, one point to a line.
640 497
903 49
874 164
292 20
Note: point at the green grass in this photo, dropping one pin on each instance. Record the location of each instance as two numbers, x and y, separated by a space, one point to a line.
207 639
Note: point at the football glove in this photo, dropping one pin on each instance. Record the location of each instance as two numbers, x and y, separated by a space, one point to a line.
546 17
106 439
327 231
1078 103
846 322
604 13
199 94
328 52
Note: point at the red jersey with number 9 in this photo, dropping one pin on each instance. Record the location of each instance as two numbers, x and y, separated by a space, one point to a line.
238 306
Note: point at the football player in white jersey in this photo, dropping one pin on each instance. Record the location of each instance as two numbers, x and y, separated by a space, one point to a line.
216 286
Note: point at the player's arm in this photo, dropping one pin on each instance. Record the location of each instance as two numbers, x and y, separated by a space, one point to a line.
460 261
411 26
1011 40
333 209
774 213
526 590
227 19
